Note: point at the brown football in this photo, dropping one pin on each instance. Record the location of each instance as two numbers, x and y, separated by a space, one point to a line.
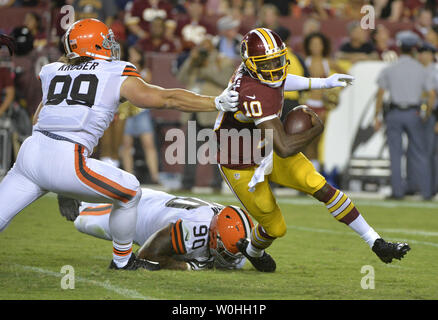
297 121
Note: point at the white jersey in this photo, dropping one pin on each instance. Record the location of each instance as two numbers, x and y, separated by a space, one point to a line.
191 218
79 101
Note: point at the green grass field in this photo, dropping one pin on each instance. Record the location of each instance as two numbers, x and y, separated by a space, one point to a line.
319 258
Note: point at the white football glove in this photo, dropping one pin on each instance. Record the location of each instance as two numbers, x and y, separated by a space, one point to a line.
338 80
227 100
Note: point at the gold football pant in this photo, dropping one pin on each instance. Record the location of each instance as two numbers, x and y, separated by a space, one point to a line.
295 172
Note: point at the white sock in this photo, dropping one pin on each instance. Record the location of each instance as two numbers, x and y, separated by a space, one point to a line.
121 253
253 251
361 227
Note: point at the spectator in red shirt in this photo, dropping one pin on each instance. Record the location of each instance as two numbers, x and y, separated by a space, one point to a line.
32 21
193 29
157 41
143 12
383 44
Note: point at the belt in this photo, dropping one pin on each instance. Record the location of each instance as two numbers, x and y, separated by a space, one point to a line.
56 136
404 107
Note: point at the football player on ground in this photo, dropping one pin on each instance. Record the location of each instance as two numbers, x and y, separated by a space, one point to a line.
260 81
80 98
179 233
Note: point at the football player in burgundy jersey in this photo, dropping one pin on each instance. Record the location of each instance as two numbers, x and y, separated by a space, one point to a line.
260 81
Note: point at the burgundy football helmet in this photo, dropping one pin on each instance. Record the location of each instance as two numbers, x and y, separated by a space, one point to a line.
264 55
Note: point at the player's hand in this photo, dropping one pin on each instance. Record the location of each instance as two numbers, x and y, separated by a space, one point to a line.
316 121
227 100
9 42
338 80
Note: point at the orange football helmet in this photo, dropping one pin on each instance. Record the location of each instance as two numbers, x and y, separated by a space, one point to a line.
226 228
264 55
90 38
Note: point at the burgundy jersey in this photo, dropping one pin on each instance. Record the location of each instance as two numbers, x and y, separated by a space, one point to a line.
256 101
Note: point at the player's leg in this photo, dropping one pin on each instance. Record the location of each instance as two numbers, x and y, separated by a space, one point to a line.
105 183
297 172
72 174
261 205
93 220
16 193
19 188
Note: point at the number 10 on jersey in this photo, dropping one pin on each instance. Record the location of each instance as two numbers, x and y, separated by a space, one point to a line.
254 109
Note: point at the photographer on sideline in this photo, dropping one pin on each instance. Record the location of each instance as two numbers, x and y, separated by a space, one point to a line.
205 71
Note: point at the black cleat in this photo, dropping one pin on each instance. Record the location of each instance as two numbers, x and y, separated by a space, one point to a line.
265 263
134 264
68 207
386 251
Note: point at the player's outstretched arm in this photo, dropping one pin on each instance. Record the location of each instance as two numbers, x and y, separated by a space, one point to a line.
159 248
145 95
298 83
286 145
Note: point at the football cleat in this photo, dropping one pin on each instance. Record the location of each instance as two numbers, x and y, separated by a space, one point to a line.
134 264
265 263
68 207
387 251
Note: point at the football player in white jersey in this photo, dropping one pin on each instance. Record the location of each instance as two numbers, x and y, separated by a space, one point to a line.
179 233
80 98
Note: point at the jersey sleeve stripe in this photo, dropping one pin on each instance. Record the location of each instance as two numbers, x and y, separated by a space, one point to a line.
99 182
173 238
177 236
131 73
180 237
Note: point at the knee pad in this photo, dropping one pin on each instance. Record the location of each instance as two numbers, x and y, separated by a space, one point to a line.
277 230
314 180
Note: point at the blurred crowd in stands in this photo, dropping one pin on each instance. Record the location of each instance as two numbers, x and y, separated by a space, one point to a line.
195 44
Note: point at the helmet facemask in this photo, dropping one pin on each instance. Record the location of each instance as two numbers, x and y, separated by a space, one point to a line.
269 68
110 43
223 258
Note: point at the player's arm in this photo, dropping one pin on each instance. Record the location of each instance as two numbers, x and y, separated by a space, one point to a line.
286 145
145 95
37 112
298 83
159 248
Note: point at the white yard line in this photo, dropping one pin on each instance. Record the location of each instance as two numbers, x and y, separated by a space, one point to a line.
128 293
